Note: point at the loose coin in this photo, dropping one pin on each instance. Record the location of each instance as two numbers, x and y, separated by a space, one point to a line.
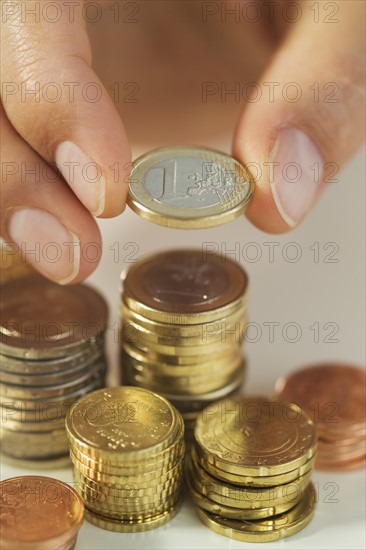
189 187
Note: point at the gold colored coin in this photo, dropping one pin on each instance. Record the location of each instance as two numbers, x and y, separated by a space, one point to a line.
133 422
189 187
266 530
180 332
137 484
230 512
185 318
257 481
185 351
247 497
213 367
123 526
136 513
235 382
257 434
126 499
176 360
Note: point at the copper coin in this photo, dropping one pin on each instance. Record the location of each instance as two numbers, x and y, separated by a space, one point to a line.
39 314
39 513
185 281
333 394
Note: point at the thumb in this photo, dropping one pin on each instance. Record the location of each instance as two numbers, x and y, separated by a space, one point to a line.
58 105
309 120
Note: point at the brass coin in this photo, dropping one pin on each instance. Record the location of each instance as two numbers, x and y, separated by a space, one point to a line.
257 481
189 187
262 436
185 318
123 526
233 384
163 460
62 320
127 421
47 513
214 367
127 494
184 351
230 512
266 530
182 287
248 497
135 483
172 360
130 513
180 332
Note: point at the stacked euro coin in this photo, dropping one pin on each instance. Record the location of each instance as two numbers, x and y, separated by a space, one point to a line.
184 317
250 466
127 447
334 395
51 353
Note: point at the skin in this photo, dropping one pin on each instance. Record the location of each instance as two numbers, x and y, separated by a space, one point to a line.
168 54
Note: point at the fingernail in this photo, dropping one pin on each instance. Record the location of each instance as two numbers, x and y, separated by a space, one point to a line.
83 176
45 243
296 168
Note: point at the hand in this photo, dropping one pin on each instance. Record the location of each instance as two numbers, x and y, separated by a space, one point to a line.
319 133
54 216
50 221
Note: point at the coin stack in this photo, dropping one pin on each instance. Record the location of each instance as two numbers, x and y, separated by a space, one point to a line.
127 447
51 353
250 466
39 512
334 395
183 316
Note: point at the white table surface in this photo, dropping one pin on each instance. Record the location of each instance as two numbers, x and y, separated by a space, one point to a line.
305 293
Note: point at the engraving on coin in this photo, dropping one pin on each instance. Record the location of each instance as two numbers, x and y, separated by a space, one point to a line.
189 187
267 437
109 420
190 182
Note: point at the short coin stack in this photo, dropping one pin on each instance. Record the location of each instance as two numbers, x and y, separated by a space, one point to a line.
334 395
127 447
39 513
184 317
51 353
250 466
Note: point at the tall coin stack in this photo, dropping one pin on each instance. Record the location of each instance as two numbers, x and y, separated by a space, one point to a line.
184 316
127 447
250 466
334 395
51 353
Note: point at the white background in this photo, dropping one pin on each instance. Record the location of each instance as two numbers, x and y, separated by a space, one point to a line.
303 292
